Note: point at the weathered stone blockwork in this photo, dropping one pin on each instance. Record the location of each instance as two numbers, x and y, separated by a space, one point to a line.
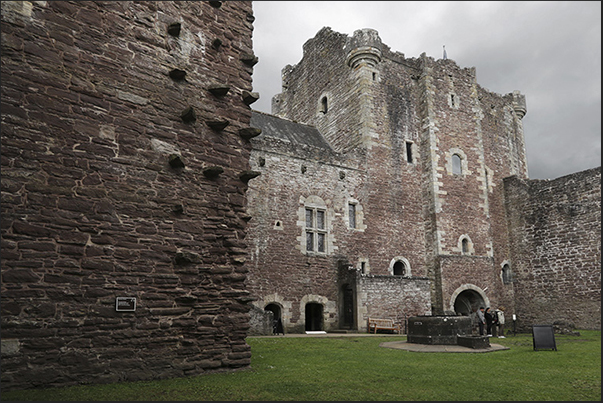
420 150
555 229
107 189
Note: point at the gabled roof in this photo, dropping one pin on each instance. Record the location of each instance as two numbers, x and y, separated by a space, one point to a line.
289 131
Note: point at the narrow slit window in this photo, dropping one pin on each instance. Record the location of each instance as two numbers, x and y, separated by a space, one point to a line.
352 213
324 107
409 152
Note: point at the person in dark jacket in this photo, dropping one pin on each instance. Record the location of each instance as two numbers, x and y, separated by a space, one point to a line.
489 321
481 320
278 328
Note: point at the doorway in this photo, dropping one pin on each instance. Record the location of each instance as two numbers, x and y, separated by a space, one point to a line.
347 313
468 302
313 317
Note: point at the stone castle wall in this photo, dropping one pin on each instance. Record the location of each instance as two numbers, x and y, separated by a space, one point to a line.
555 230
115 185
400 120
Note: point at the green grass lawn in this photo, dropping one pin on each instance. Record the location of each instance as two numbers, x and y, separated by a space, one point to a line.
356 368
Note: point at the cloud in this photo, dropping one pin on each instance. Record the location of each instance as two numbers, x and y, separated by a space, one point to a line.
550 51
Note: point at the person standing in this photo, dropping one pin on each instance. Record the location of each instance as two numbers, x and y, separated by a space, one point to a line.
500 314
489 321
481 320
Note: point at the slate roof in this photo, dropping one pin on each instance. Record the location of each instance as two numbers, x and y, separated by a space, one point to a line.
288 130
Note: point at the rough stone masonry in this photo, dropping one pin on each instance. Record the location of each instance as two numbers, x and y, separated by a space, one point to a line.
124 173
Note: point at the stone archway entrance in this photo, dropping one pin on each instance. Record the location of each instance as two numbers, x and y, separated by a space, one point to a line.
467 302
275 309
314 320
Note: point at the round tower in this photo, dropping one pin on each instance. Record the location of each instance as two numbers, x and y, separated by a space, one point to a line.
364 48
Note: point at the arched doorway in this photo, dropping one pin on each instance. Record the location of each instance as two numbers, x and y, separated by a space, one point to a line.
275 309
399 268
468 302
313 316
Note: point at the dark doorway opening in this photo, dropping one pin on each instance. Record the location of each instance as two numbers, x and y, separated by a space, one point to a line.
468 302
348 307
313 316
399 269
275 309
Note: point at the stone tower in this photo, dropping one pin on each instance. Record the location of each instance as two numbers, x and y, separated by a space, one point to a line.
417 151
124 179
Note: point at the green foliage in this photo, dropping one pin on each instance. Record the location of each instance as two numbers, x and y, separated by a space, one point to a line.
357 369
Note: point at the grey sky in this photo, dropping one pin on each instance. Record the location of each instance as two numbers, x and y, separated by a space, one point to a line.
548 50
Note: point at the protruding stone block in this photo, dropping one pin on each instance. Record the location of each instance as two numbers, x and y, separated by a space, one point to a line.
188 115
217 124
250 97
213 171
249 59
249 132
218 90
245 176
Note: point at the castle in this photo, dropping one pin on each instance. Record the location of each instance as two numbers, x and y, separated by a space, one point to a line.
152 220
394 187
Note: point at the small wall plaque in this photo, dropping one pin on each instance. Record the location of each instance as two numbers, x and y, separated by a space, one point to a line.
127 304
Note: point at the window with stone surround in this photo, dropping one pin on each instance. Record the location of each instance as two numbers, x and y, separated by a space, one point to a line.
399 266
316 230
409 157
507 275
465 245
456 165
352 215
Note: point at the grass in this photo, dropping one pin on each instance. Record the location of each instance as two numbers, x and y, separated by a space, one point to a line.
357 369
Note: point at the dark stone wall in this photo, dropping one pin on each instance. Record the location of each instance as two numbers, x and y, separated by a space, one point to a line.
555 232
115 185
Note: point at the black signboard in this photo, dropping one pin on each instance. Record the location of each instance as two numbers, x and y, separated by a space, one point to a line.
125 304
544 337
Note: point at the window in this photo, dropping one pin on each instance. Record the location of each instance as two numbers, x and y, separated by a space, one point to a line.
465 246
352 214
324 105
409 152
399 269
456 164
315 230
507 276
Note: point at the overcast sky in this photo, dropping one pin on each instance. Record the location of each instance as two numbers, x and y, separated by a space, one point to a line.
548 50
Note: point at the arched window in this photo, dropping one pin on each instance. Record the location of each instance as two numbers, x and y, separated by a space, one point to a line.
399 268
456 164
465 246
507 276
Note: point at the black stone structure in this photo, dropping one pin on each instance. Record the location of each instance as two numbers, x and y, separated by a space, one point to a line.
438 329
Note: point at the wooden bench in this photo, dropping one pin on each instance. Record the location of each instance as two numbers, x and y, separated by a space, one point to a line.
385 324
